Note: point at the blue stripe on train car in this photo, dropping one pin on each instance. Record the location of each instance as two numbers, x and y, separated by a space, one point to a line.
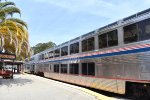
108 54
118 53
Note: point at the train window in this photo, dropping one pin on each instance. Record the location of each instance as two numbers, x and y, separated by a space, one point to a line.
112 38
64 51
84 68
130 33
102 40
56 68
144 29
91 44
91 69
74 48
51 54
57 52
88 44
31 59
42 56
46 56
84 45
88 68
74 68
64 68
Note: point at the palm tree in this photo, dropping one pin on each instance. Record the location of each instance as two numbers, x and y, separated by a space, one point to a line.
13 31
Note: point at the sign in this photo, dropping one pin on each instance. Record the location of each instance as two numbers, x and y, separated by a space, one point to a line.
7 56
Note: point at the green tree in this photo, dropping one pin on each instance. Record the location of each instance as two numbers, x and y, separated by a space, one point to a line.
42 46
13 31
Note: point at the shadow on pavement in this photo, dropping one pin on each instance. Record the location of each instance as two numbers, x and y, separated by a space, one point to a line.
19 81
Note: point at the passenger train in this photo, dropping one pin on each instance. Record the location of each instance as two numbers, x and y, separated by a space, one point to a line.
114 58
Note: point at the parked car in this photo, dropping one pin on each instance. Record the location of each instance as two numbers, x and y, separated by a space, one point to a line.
6 73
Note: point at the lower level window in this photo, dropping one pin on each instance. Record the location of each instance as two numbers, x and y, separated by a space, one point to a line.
88 68
64 68
56 68
74 68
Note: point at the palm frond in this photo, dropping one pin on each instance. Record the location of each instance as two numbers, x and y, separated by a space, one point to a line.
10 10
5 4
2 13
19 21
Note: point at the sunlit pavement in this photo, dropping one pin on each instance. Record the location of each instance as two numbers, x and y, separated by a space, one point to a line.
30 87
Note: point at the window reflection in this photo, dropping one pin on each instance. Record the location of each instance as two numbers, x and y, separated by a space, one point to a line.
64 51
56 68
64 68
74 68
74 48
130 33
144 29
88 68
57 52
88 44
103 41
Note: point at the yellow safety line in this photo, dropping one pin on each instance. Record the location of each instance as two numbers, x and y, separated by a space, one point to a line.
95 94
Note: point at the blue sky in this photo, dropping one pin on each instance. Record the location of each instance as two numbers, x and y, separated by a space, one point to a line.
62 20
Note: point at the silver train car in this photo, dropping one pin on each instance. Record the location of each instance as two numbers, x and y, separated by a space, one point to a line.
114 58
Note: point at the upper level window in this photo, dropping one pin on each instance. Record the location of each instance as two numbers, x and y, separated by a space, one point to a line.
64 68
102 40
74 68
91 44
74 48
51 54
31 59
112 38
137 32
108 39
64 51
144 29
88 44
46 56
88 68
57 53
42 56
56 68
130 33
84 45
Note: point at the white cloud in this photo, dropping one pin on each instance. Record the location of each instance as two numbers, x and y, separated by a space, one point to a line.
113 9
147 1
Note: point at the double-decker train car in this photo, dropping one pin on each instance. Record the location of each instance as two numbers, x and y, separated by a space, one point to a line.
114 58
